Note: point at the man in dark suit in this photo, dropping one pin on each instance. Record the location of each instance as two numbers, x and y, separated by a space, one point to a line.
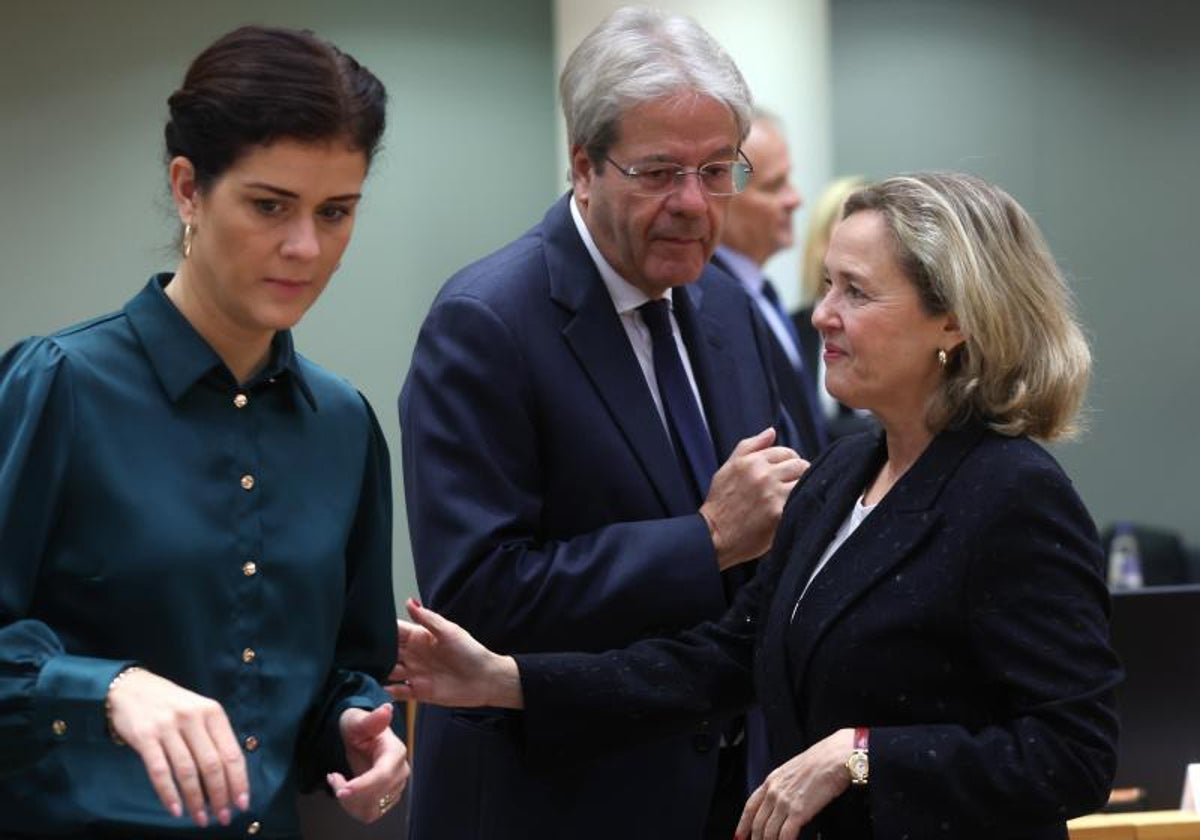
569 399
759 225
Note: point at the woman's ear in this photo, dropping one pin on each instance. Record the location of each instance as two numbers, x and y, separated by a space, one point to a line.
952 336
184 190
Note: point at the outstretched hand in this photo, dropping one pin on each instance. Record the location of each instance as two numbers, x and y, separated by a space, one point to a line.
441 663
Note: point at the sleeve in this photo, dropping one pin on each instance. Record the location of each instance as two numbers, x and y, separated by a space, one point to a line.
586 704
46 694
366 644
473 472
1038 622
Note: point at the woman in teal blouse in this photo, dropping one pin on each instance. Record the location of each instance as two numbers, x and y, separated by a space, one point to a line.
195 521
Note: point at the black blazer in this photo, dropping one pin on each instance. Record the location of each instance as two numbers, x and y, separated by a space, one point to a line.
548 512
965 622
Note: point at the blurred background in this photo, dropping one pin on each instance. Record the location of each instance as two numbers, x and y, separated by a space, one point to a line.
1087 111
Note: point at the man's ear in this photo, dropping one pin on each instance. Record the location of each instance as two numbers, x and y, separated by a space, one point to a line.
184 190
582 173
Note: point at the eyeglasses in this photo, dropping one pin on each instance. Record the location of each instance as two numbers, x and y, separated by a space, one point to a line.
720 177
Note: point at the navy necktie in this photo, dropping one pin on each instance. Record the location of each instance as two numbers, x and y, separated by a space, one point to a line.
690 436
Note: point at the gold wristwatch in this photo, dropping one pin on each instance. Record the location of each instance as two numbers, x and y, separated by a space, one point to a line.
858 765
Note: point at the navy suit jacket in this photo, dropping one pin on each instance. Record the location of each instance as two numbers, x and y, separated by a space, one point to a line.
806 432
965 622
548 512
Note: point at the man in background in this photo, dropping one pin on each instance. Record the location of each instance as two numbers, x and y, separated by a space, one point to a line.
569 401
759 225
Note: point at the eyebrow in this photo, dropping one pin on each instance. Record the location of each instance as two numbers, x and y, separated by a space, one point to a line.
726 153
260 185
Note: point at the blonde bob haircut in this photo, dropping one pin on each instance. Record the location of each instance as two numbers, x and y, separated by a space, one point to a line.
973 252
825 213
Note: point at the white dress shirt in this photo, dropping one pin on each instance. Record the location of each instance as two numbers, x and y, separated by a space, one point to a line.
626 299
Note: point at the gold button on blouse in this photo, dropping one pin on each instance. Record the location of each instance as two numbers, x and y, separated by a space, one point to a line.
59 727
240 401
247 482
249 568
251 743
248 655
254 827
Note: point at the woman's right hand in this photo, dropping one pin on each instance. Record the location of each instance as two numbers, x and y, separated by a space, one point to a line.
186 743
439 662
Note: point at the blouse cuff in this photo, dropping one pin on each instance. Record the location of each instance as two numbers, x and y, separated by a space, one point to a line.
69 697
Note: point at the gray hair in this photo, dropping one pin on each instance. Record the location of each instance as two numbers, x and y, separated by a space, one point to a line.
636 55
975 253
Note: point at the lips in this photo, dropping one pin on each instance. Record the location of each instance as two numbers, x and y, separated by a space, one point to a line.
830 351
286 287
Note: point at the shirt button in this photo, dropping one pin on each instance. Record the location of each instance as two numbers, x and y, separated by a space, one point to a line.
249 568
240 401
59 727
251 743
248 655
247 482
254 827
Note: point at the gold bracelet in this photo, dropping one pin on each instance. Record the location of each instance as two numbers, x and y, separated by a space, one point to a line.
112 733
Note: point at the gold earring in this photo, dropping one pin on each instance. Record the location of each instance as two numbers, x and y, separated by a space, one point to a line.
187 240
941 357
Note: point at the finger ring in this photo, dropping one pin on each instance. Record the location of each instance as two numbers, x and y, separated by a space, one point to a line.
386 801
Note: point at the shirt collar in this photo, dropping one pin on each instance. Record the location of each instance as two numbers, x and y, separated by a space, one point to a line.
746 270
626 297
179 355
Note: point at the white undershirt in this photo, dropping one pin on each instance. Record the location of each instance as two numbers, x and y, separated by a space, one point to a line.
626 298
857 514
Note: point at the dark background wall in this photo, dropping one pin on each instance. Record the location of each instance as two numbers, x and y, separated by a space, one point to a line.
1088 112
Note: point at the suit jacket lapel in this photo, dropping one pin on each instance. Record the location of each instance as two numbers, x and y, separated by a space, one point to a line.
888 537
716 372
597 338
822 503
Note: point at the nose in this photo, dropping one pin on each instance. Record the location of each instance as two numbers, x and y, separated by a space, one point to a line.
792 198
301 242
824 315
689 196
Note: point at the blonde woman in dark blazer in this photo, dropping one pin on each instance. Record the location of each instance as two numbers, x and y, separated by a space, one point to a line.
929 636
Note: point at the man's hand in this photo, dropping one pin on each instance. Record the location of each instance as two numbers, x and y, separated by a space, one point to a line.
378 760
746 499
186 743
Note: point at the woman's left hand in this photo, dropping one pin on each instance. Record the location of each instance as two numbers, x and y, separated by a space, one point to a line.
796 792
378 759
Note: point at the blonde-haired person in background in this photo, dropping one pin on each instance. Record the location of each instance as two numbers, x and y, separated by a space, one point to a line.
928 637
840 420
